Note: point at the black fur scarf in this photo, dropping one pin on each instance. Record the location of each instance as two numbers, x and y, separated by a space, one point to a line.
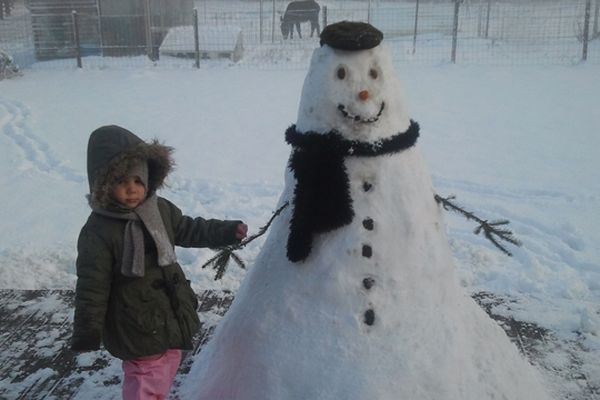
322 200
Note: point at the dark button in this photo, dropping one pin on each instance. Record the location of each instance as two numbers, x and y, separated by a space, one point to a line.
368 224
367 251
369 317
367 186
368 283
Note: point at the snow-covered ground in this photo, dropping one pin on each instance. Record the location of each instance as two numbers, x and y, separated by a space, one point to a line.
514 142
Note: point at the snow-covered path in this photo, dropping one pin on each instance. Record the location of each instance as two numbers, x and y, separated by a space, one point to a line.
35 152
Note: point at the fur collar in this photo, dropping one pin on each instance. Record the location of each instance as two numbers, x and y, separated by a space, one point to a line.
160 164
322 200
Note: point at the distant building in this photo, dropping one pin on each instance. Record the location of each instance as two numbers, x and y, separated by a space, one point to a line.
106 27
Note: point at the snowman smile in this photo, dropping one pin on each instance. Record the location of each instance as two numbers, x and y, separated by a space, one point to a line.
358 118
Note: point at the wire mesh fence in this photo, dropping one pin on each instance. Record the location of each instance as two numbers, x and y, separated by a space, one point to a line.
15 32
253 33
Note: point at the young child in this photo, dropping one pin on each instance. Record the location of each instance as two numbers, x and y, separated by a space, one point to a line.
131 293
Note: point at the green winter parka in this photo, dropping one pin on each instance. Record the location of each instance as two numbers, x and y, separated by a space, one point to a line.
143 316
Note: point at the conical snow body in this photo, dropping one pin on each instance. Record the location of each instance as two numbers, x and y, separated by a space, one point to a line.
375 311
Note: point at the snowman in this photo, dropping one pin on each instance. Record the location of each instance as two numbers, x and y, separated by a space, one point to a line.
354 294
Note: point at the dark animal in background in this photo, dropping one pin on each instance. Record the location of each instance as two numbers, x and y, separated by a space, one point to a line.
297 12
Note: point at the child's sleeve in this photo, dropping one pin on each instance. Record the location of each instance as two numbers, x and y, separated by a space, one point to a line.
94 275
200 232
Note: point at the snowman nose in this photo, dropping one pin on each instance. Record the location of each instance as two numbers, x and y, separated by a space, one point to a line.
363 95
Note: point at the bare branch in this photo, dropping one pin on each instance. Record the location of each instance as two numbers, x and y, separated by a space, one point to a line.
489 229
221 259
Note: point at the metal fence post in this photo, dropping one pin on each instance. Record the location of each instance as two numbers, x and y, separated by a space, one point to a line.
586 28
324 16
273 26
196 39
148 30
455 30
260 24
596 32
75 19
415 32
369 13
479 20
487 19
100 29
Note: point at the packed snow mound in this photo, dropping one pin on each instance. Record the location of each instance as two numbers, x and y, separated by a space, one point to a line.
375 310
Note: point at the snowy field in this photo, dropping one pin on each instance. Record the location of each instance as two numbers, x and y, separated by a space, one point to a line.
514 142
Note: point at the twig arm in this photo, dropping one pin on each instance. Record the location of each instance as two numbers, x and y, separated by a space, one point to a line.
490 229
220 260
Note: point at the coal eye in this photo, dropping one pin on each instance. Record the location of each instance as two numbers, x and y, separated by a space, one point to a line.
373 73
341 72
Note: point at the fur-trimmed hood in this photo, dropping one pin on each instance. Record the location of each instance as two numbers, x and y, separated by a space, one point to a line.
112 151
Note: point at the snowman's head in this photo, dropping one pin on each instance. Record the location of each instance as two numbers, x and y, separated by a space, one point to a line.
354 91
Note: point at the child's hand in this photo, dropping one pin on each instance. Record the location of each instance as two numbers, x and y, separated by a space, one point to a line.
241 231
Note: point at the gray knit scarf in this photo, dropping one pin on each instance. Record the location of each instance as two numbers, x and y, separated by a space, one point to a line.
148 214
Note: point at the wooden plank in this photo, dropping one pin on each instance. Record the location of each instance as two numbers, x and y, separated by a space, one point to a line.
35 359
36 362
35 327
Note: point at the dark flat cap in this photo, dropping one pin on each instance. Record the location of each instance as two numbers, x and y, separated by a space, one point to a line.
349 35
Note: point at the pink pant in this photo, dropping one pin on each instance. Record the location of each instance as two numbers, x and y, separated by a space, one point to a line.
150 378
